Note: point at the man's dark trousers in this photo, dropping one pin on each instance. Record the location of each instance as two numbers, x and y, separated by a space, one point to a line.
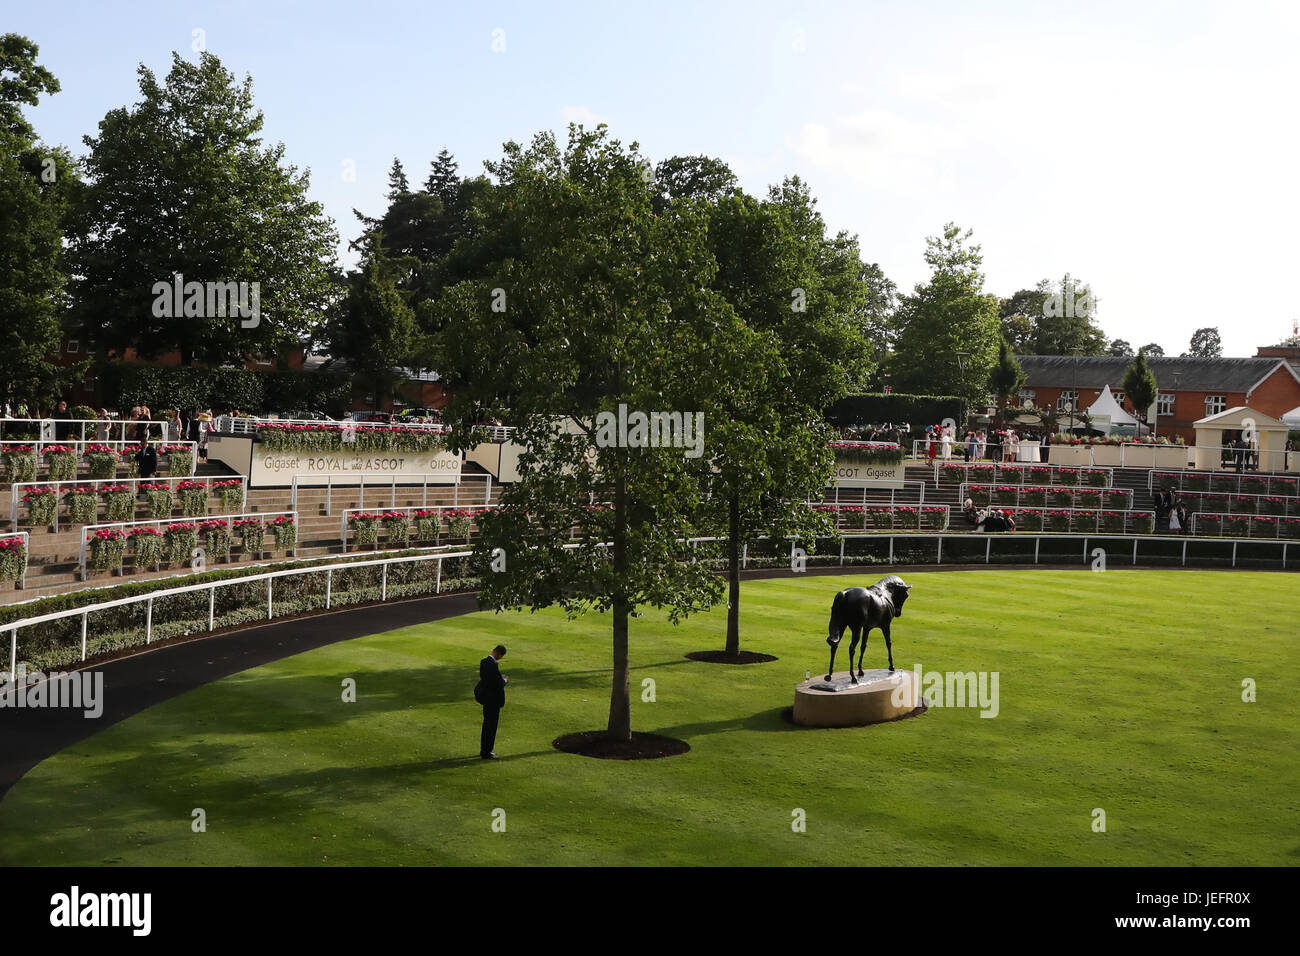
488 739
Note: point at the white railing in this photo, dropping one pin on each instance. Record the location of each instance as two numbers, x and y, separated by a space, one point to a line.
935 538
837 499
348 513
16 494
47 428
405 481
1030 450
249 426
1237 479
1289 502
964 492
27 554
868 512
87 529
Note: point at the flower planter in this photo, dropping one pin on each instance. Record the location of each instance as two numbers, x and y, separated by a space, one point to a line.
82 504
252 536
1087 499
1211 525
1144 524
285 531
1236 527
1034 496
935 519
41 504
182 538
107 549
978 494
1029 520
1263 526
13 559
19 463
146 548
60 461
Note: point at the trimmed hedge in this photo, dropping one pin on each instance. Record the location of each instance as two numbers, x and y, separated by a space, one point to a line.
159 386
915 410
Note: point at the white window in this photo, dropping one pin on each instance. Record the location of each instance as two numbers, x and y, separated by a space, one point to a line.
74 346
1067 401
1026 395
1215 404
1165 403
1119 396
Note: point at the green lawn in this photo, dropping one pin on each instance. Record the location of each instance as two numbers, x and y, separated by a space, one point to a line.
1138 713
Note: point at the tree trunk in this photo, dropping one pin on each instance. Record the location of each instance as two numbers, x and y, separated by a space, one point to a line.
733 578
620 694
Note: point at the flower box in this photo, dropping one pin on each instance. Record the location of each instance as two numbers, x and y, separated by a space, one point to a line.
1264 526
158 496
935 518
230 492
82 503
285 531
1143 523
1085 521
1060 498
107 549
1057 520
146 548
19 462
365 529
41 504
61 461
1209 524
216 538
13 559
119 502
252 536
1006 494
1096 477
101 461
978 494
1067 476
180 460
1034 495
1029 519
1087 498
182 539
1235 526
397 527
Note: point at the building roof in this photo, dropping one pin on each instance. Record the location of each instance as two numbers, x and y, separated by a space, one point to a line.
1193 374
1240 416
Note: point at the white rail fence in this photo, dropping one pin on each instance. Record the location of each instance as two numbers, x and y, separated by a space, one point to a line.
87 429
918 544
422 482
349 513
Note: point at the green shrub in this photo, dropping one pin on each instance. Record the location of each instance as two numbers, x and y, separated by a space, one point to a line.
146 548
102 461
19 462
252 536
119 502
182 538
82 503
13 559
41 504
158 496
107 549
397 526
61 461
365 529
230 493
285 531
194 498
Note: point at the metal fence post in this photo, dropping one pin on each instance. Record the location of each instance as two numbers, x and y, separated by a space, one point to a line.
329 583
383 582
148 621
83 634
437 587
212 606
268 598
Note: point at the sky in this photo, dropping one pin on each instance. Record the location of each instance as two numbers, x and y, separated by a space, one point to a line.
1148 149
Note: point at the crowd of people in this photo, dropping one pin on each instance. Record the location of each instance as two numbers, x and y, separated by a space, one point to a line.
999 444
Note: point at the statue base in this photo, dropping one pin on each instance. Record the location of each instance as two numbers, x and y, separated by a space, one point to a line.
878 696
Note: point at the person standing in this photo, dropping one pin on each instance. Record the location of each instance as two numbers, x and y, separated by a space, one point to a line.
490 692
946 442
146 459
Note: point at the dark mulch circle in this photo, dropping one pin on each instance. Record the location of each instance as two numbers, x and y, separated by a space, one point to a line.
722 657
594 743
788 716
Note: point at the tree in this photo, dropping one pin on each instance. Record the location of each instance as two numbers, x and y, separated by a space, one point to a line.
36 184
1067 319
180 184
800 292
1120 349
1205 344
374 330
1018 316
1152 350
874 317
1140 384
1007 377
693 177
589 304
949 314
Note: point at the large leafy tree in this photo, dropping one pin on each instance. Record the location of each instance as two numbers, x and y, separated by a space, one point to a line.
182 183
1119 348
588 301
36 183
1019 315
947 315
375 330
1067 319
802 292
1153 350
1205 344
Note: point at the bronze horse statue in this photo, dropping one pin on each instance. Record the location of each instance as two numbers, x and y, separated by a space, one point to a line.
861 609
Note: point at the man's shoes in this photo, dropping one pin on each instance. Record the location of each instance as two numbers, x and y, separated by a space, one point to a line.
488 757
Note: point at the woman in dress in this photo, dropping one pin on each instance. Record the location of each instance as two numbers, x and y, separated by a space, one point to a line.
946 441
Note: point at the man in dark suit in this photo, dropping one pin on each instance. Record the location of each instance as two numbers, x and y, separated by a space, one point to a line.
490 691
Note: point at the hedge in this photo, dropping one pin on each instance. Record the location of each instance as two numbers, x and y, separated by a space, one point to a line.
124 385
915 410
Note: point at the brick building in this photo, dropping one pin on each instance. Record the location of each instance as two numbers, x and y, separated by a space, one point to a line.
1189 388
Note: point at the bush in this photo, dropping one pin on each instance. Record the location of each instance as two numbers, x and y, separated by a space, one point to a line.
216 538
1067 476
252 535
182 538
41 503
428 526
978 494
1144 523
1029 520
180 460
397 526
1087 498
1057 520
82 503
459 524
194 498
1236 526
83 412
19 462
158 496
1085 521
365 529
285 531
13 559
908 517
935 518
102 461
61 462
107 549
230 493
1033 496
1097 477
1209 524
147 548
119 502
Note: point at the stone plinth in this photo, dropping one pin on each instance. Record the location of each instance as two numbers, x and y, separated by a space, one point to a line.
879 696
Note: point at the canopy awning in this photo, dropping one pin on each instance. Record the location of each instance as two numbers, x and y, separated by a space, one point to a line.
1106 407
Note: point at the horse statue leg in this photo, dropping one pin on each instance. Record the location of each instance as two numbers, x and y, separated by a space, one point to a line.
834 642
857 635
884 627
866 633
